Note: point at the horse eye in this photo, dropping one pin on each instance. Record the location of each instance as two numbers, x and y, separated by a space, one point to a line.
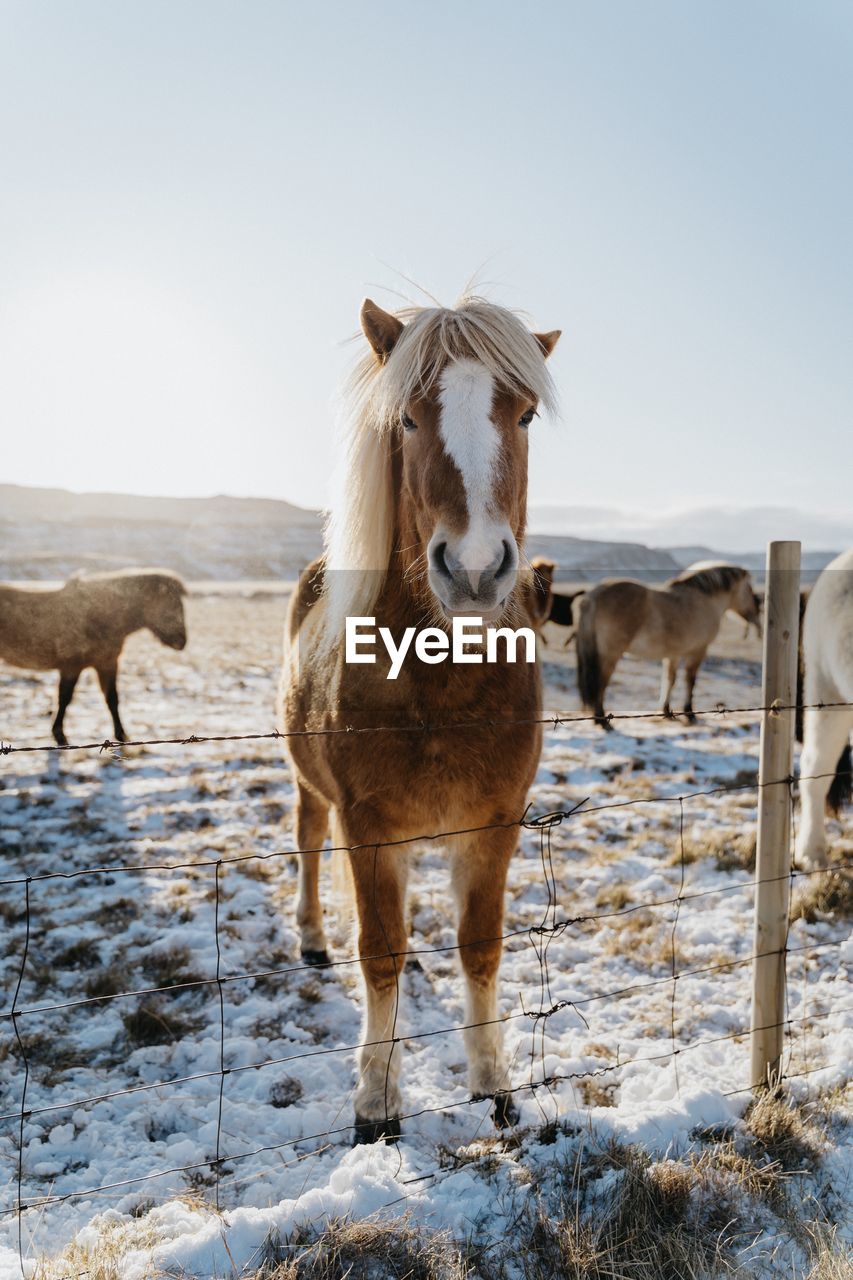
408 424
526 418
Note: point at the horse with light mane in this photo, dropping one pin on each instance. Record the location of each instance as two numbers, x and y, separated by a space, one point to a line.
428 526
84 624
827 649
672 623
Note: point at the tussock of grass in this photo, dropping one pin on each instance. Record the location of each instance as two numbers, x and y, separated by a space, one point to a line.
732 850
107 982
80 955
831 1258
784 1132
166 967
652 1224
612 896
822 897
596 1094
153 1022
364 1251
640 935
284 1093
117 913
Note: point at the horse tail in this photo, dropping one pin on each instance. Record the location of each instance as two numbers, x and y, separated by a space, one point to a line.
841 787
590 684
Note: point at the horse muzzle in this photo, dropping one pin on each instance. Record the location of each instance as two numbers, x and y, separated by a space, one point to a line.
466 589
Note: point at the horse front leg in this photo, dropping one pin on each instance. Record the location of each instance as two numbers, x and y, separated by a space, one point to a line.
67 683
379 877
312 825
669 671
107 679
480 866
826 732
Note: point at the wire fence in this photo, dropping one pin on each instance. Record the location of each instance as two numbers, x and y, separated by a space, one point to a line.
540 936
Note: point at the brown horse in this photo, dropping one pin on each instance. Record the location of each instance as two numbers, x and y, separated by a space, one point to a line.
428 527
84 624
674 622
542 590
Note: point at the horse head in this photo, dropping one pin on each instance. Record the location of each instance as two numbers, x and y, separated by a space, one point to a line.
745 602
164 609
462 389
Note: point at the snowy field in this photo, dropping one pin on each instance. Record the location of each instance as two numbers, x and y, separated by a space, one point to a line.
290 1033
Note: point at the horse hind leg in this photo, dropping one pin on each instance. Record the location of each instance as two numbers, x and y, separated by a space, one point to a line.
67 684
826 734
312 825
107 679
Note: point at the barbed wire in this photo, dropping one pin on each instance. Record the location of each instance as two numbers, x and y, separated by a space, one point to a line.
552 818
557 720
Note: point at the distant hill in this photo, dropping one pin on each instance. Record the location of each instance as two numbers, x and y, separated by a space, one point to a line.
733 532
50 533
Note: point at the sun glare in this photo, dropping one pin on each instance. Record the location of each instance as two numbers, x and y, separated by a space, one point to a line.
124 385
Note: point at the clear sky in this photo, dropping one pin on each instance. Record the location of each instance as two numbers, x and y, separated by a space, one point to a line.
195 196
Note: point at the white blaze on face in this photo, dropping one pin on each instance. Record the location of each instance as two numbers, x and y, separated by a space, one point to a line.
466 391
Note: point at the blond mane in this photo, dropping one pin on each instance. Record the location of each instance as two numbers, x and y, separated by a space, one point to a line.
710 576
360 524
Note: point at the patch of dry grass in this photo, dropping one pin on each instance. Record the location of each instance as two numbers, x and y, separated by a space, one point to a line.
394 1250
596 1094
621 1215
828 896
154 1022
641 935
733 850
613 896
784 1132
831 1258
652 1224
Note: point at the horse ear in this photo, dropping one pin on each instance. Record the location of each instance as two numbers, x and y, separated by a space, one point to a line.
380 328
548 341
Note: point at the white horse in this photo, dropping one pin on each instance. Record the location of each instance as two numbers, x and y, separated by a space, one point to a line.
828 658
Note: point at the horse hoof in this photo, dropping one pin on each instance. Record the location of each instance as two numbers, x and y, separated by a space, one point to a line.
413 965
369 1131
317 959
504 1113
604 723
691 717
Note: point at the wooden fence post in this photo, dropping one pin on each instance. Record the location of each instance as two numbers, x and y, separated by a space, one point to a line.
773 855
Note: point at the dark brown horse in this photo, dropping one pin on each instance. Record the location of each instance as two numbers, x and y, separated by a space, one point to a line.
428 527
85 624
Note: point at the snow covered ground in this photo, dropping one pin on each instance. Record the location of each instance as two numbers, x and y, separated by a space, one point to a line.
289 1033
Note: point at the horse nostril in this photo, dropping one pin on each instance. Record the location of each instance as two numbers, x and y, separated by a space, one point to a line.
439 561
506 563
